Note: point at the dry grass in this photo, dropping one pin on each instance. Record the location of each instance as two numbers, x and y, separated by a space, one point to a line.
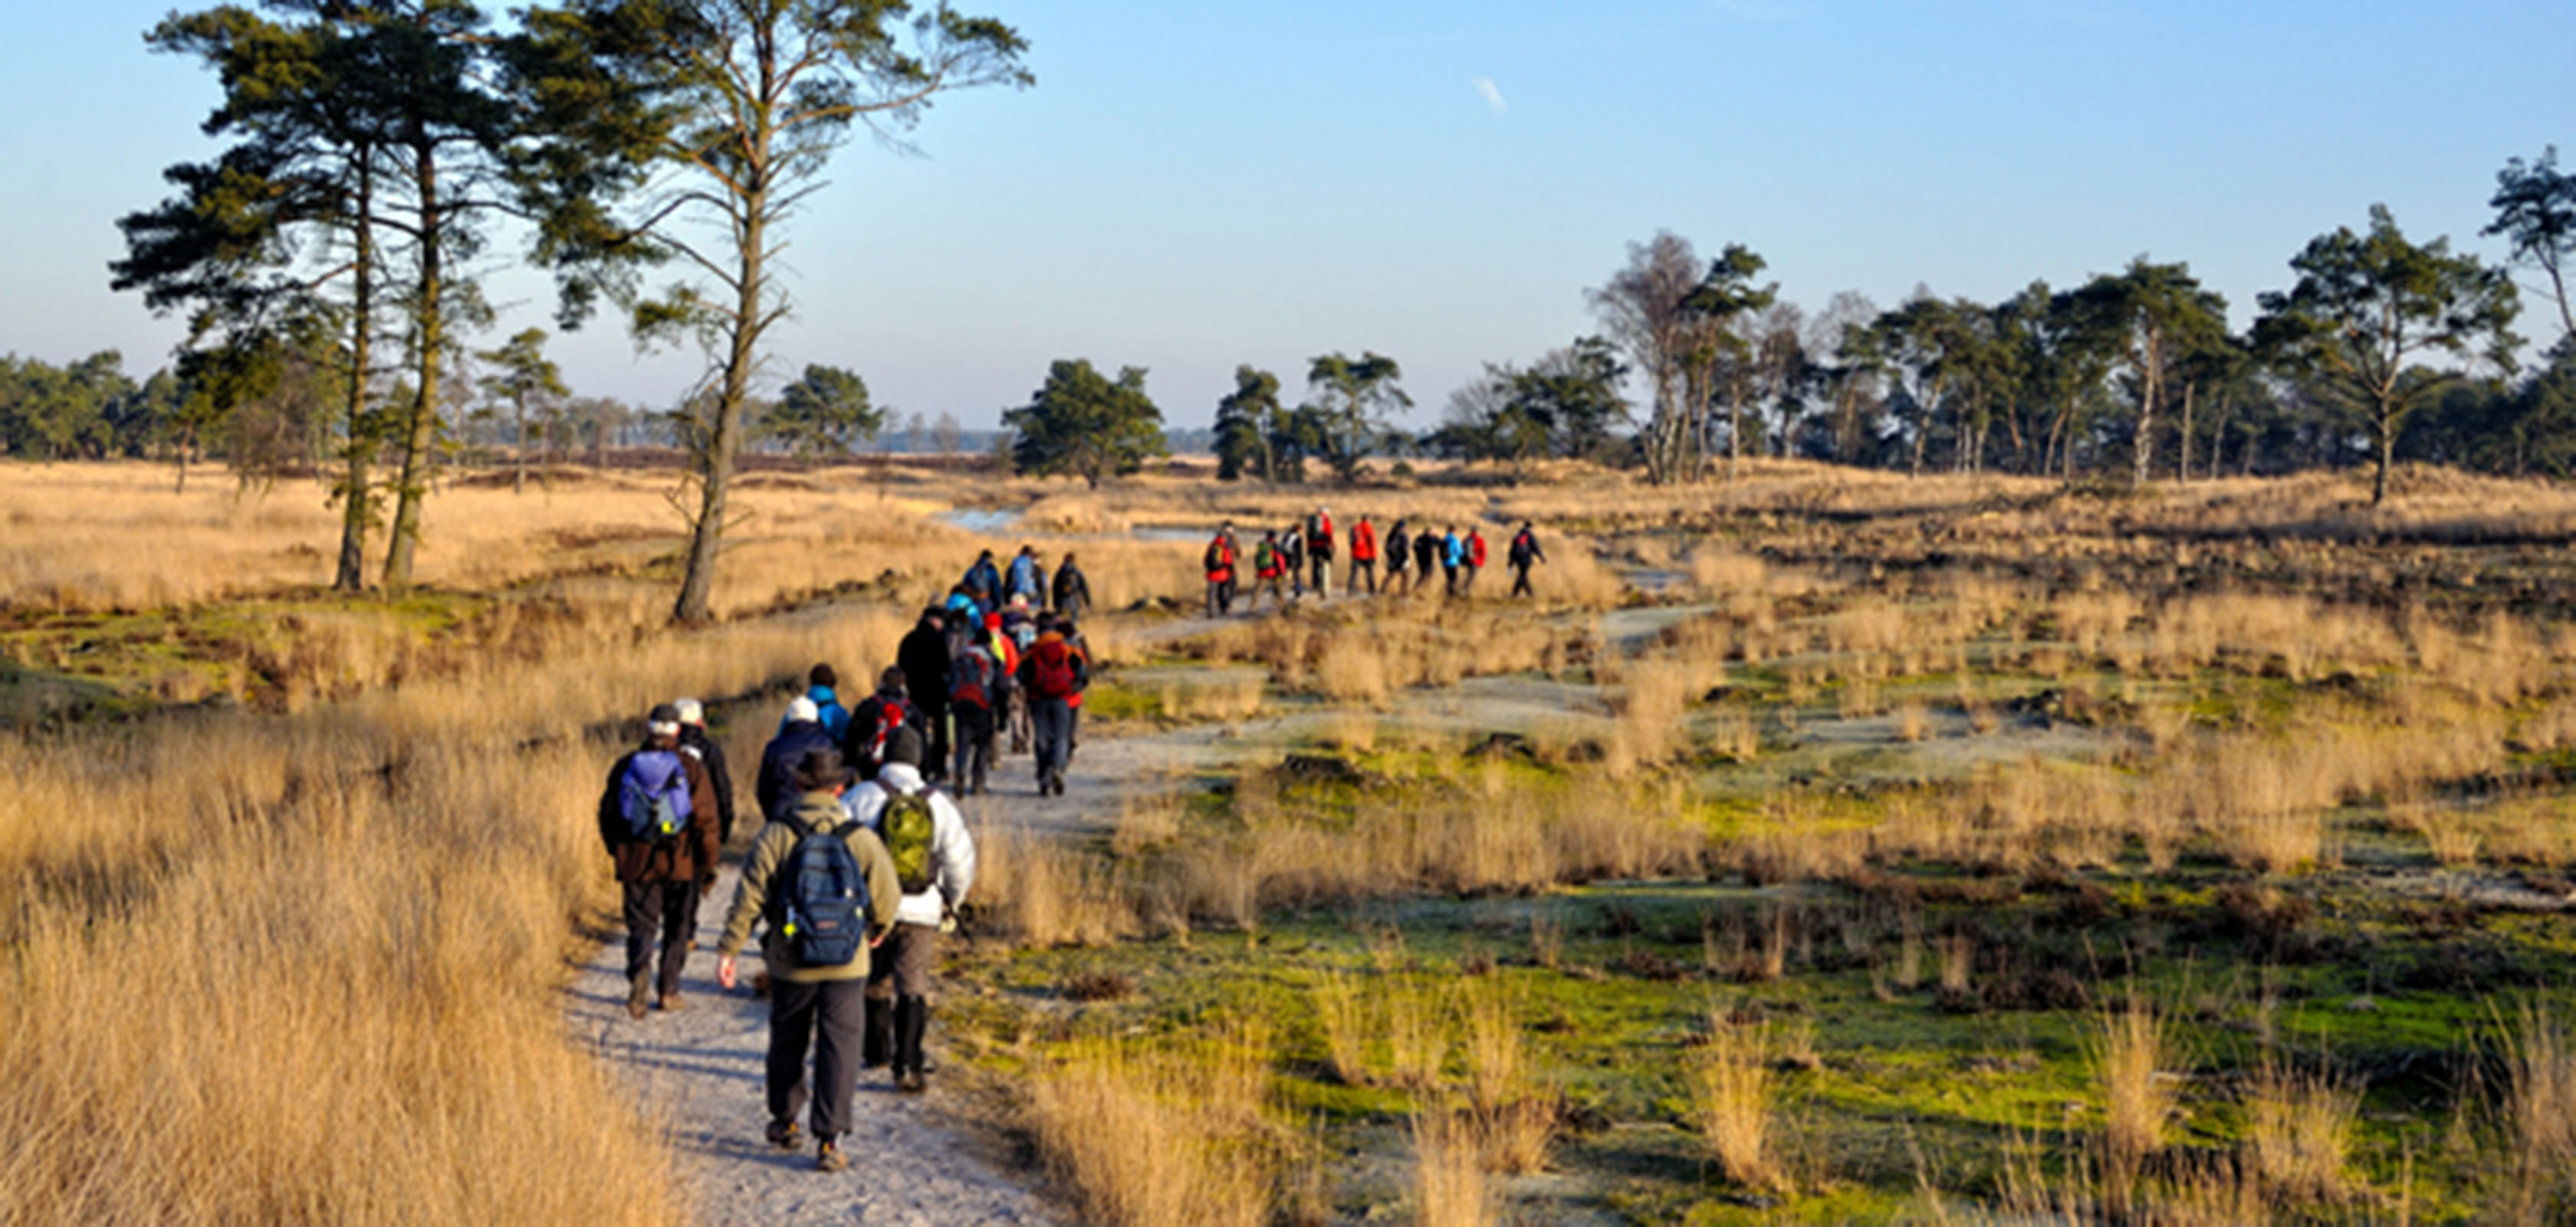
1513 1114
1176 1135
2137 1105
1732 1089
2540 1111
1450 1185
2299 1127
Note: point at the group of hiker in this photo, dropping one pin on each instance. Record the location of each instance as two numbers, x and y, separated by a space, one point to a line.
1288 563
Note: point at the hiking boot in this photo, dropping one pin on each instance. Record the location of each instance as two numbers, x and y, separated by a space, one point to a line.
784 1134
911 1082
670 1001
828 1157
638 996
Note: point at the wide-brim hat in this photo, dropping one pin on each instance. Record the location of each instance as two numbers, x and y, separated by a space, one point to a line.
822 771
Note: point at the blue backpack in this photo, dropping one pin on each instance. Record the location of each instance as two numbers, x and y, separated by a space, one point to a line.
654 796
827 900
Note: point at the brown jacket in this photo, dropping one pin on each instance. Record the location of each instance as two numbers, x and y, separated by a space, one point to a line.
691 858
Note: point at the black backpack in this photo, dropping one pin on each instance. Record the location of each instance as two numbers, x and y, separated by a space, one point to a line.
825 921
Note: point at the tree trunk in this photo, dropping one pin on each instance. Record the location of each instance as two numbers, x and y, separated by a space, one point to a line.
420 434
519 454
2387 456
724 443
355 495
2182 469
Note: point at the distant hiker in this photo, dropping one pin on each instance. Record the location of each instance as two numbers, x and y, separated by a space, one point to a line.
962 606
1025 578
1453 557
1475 559
934 862
1427 553
1072 589
1020 624
1319 550
1523 554
1011 710
1073 707
1051 675
1399 550
696 743
823 686
923 657
879 715
801 731
1292 553
974 687
1218 561
1269 562
1363 557
658 819
829 893
984 581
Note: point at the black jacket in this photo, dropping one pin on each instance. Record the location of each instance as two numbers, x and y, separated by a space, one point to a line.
859 749
778 792
710 754
923 657
1072 589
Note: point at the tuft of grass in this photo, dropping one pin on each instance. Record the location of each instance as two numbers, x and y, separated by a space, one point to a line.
2299 1127
2130 1049
1176 1136
1732 1089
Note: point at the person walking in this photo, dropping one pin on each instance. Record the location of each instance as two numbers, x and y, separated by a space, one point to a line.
1051 674
1453 555
1025 579
923 657
1268 562
800 731
829 893
1218 561
657 818
1012 709
822 684
1363 557
983 581
1399 547
1319 551
1475 559
1427 553
1072 590
1523 554
1292 554
879 715
974 681
698 744
934 863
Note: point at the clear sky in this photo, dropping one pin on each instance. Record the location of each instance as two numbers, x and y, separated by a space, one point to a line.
1193 186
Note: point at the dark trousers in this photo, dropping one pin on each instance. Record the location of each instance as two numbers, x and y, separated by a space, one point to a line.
1520 581
935 763
1364 568
667 911
974 747
1220 598
837 1011
1449 580
902 966
1054 727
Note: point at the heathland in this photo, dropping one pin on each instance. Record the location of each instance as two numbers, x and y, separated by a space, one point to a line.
1824 845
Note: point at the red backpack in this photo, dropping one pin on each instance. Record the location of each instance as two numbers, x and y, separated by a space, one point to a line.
1053 665
891 715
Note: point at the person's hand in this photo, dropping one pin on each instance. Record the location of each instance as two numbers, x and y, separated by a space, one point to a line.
877 939
725 973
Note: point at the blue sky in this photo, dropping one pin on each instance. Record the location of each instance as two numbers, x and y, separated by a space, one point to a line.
1190 187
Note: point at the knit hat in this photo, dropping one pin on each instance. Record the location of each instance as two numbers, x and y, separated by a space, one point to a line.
691 711
803 711
664 721
904 746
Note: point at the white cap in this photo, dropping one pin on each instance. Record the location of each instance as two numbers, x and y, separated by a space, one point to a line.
691 711
803 709
662 730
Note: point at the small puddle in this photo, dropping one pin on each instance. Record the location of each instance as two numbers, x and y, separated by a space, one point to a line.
980 519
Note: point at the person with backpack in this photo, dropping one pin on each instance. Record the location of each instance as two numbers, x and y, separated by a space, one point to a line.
1426 555
1319 551
1011 707
934 864
829 893
822 686
1363 557
1292 551
802 730
1025 579
1073 706
1218 561
873 724
1523 554
1051 674
658 820
1072 589
1269 562
1472 552
696 743
1453 556
983 581
1399 548
974 683
923 656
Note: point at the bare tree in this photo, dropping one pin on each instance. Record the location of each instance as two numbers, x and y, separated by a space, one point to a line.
1645 310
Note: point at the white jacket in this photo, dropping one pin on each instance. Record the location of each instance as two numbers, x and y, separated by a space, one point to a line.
952 850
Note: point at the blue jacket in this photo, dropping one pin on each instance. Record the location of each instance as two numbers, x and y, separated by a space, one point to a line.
1453 552
1027 579
984 577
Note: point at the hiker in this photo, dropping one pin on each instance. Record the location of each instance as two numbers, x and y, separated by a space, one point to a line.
1218 561
800 731
984 581
1319 550
1073 706
1453 555
1426 554
1072 591
822 684
1474 550
974 682
1523 554
962 607
1025 578
1399 548
1051 674
879 715
1012 710
923 657
658 819
934 864
1363 557
1292 555
1268 562
829 892
696 743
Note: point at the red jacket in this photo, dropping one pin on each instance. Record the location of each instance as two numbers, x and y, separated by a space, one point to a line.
1363 542
1476 550
1221 553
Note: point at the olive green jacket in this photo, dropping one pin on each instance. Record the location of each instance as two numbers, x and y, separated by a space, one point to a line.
770 853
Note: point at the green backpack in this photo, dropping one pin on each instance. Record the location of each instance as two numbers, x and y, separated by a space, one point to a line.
909 830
